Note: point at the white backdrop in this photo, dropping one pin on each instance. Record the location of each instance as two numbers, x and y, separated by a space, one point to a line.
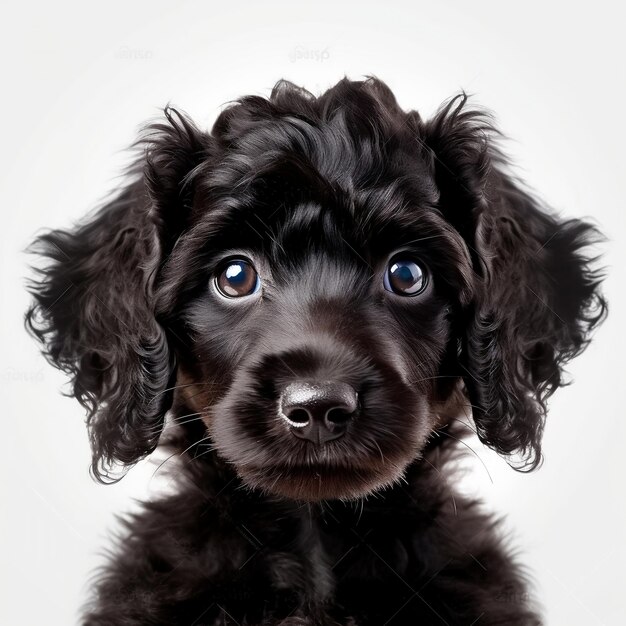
78 80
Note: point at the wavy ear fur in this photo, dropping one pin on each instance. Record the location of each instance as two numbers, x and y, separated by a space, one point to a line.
93 305
537 295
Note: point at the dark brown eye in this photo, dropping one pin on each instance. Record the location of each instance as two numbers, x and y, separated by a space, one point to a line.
404 277
237 278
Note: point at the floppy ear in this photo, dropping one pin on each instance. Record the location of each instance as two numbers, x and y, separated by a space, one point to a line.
536 295
93 304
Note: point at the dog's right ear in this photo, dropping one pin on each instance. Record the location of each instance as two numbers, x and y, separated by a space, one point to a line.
93 305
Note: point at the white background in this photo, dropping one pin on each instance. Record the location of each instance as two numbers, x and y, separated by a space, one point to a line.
78 80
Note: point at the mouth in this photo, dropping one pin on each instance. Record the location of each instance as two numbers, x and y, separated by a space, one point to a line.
321 481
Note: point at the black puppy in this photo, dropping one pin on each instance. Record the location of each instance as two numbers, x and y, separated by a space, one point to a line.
316 291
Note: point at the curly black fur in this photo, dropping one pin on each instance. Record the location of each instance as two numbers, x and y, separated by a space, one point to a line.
266 528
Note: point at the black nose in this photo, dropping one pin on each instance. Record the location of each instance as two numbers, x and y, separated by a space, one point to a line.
319 411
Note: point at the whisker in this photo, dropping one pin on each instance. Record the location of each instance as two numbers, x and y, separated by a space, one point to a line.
207 451
443 432
433 466
187 421
160 393
162 464
175 421
456 419
382 456
171 425
180 417
421 380
195 443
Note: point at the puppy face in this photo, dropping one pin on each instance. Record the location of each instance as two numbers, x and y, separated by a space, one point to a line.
315 278
318 328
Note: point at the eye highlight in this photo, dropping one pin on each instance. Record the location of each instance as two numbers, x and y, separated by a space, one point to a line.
405 277
237 278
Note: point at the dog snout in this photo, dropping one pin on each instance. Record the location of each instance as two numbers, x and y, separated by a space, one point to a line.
318 411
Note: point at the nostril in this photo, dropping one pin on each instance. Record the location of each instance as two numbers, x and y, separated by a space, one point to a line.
339 416
318 411
298 416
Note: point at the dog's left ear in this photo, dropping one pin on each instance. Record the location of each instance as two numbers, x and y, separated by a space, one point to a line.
536 296
94 308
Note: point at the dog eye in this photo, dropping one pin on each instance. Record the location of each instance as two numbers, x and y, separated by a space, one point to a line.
405 277
237 278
